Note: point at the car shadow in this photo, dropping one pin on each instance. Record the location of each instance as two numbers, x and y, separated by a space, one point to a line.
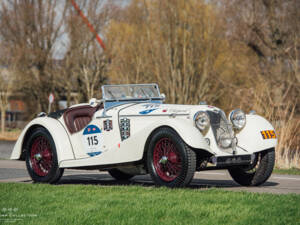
145 180
208 183
103 179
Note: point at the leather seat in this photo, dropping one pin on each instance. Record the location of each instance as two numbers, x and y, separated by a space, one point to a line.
76 118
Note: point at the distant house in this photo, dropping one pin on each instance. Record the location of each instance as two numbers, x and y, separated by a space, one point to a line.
15 113
16 107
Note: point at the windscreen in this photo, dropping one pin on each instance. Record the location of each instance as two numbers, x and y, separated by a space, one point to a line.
130 91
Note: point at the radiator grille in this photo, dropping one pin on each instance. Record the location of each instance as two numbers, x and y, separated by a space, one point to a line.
220 125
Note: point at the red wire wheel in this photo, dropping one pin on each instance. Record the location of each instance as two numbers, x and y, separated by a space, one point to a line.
170 161
41 156
167 160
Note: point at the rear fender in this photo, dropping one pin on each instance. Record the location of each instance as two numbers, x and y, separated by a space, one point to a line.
56 130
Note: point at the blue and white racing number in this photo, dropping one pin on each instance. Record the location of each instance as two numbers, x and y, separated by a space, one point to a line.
92 139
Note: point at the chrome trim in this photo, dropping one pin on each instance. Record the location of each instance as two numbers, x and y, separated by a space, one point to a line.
170 115
221 127
41 114
124 99
195 117
103 117
230 117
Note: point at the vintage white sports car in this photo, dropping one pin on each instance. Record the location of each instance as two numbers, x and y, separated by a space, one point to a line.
131 132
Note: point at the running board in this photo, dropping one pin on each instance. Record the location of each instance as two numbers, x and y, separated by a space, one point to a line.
235 160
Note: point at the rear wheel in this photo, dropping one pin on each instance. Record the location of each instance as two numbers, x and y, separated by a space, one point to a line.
119 175
41 157
257 173
170 161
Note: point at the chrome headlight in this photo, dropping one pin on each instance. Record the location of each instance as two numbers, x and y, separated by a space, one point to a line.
202 121
225 142
238 119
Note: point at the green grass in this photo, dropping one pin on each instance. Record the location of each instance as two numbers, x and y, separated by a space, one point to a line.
93 204
292 171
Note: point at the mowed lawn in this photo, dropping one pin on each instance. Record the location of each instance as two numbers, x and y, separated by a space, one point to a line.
94 204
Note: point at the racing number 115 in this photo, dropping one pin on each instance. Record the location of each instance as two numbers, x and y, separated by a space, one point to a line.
92 140
268 134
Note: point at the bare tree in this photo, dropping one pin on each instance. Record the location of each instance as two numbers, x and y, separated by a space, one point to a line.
6 86
179 44
84 64
31 30
7 78
271 29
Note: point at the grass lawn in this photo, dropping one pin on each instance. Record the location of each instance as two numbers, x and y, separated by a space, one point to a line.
292 171
92 204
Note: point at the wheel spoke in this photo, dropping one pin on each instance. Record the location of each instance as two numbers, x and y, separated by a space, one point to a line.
166 160
41 156
175 168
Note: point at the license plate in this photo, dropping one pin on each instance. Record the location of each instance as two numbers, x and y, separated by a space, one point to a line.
268 134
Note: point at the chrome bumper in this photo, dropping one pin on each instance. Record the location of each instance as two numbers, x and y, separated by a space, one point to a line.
234 160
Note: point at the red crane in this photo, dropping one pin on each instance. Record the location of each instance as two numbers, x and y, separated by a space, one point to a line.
85 19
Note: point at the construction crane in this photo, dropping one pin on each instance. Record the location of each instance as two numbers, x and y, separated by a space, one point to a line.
90 26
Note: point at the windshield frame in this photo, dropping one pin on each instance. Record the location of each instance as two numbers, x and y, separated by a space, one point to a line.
159 97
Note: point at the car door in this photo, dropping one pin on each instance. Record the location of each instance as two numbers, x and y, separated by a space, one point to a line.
99 136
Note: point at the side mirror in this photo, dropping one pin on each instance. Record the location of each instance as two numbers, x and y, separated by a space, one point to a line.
163 96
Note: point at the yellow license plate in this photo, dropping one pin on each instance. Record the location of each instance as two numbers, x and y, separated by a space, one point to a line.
268 134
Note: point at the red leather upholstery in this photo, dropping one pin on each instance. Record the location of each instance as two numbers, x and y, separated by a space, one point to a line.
76 118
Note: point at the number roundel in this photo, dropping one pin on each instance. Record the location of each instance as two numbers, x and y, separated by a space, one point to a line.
92 139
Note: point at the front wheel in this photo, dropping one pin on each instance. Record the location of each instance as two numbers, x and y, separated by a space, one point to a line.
257 173
170 161
41 158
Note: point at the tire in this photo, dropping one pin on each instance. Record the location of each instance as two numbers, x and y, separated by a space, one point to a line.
256 174
119 175
41 158
170 161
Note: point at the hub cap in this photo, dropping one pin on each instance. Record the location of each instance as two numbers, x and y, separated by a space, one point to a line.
167 160
41 156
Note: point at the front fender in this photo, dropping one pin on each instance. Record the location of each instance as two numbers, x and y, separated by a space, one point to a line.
189 133
58 133
250 137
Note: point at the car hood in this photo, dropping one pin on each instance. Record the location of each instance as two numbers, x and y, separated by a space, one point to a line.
143 109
